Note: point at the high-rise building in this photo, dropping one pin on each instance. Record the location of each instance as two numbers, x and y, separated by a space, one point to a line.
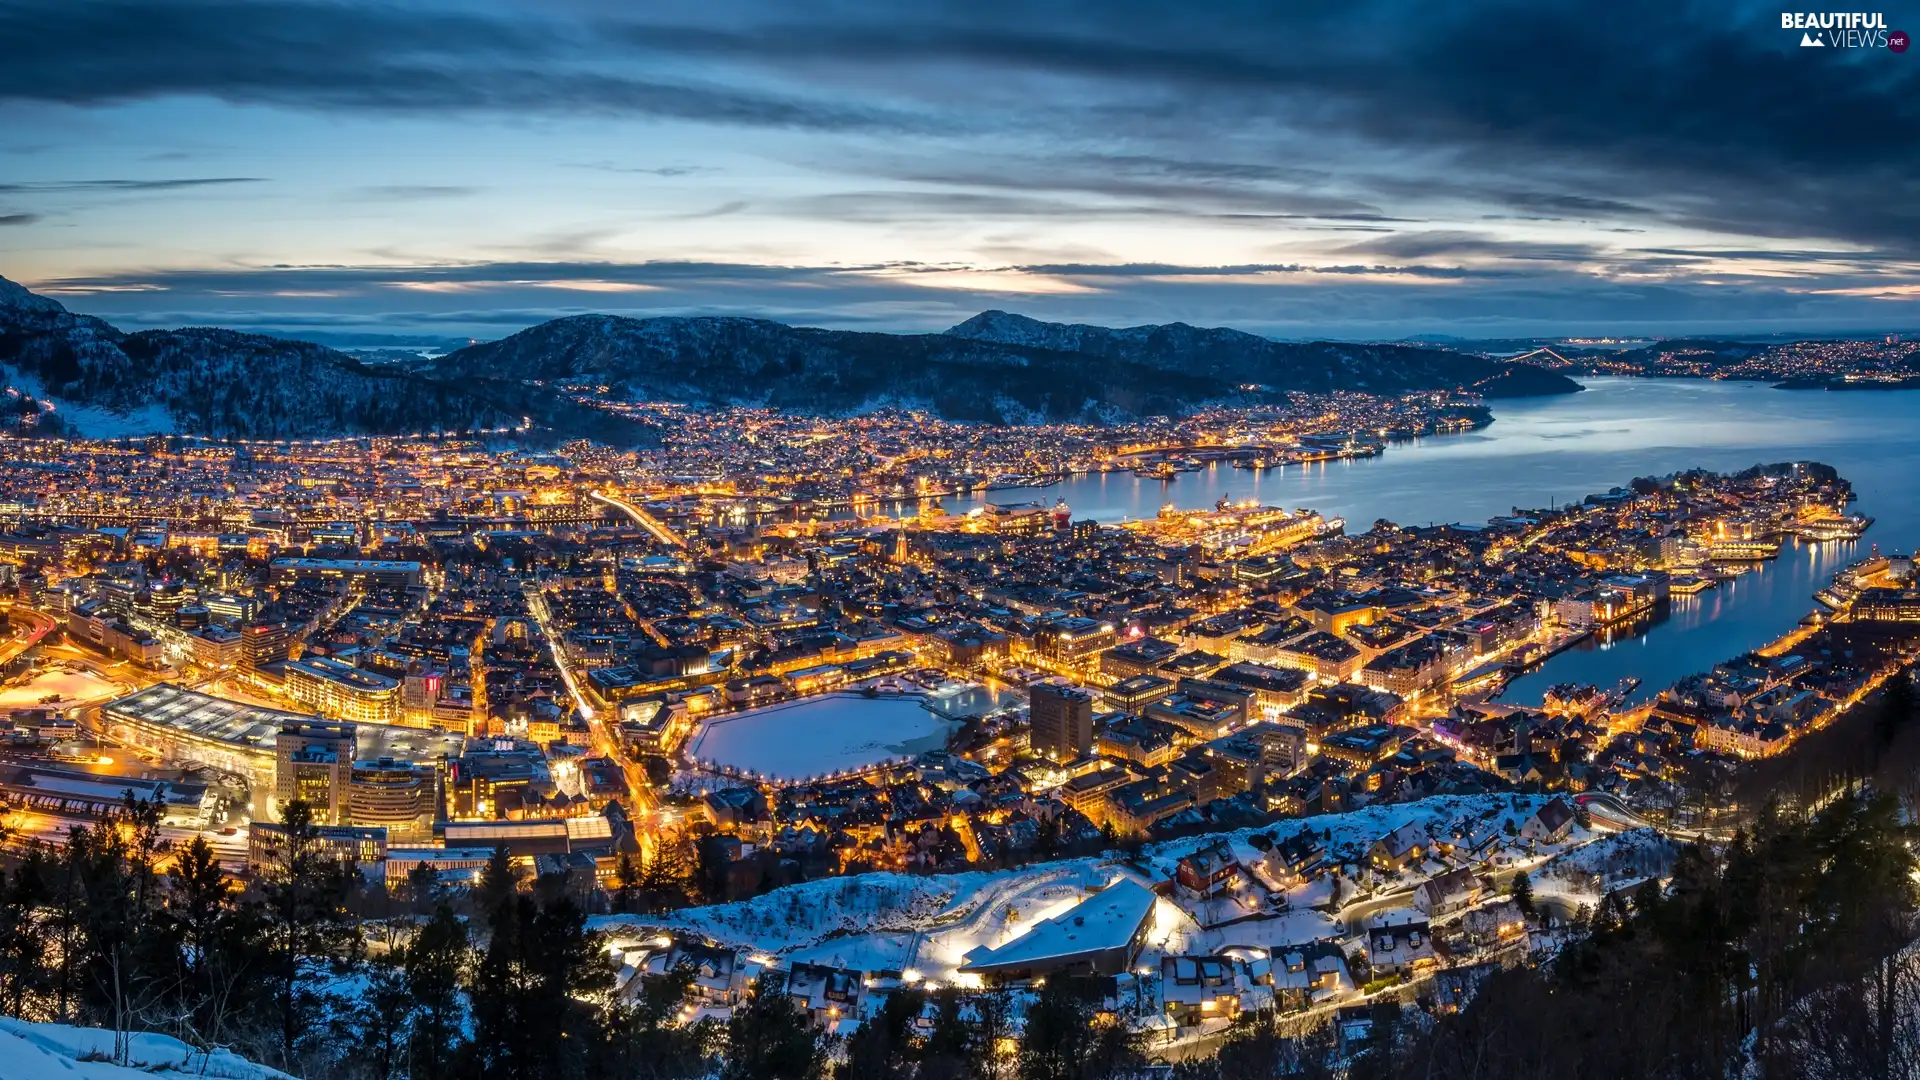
1062 720
313 760
263 643
398 795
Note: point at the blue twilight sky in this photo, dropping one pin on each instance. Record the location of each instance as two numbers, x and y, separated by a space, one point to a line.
1360 168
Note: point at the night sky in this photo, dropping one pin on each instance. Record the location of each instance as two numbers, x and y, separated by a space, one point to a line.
1351 169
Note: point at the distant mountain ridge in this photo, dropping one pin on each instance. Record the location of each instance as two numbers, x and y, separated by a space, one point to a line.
996 366
228 384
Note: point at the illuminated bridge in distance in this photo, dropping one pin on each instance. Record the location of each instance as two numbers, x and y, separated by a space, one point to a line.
645 520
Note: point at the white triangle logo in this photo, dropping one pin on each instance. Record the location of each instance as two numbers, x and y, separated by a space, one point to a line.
1808 41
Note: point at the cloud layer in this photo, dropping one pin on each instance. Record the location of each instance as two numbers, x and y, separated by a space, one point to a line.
1367 168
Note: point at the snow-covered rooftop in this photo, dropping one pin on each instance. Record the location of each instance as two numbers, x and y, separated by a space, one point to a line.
1106 920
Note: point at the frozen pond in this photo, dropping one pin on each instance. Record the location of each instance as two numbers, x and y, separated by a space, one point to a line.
838 733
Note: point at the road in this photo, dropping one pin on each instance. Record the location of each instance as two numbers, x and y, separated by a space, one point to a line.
30 628
1610 811
643 519
640 798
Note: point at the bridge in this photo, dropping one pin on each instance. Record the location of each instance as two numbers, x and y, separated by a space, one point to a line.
643 519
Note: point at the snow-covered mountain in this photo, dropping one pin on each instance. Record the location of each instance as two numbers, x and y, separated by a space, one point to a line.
717 360
1238 357
995 366
101 381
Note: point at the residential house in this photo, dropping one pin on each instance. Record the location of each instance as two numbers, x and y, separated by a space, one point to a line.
1400 848
1403 948
1550 824
1447 893
1197 988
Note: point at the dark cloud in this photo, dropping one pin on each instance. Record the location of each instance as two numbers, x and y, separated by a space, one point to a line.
362 57
1705 115
1449 245
18 219
1169 270
1386 119
733 207
413 192
67 187
666 171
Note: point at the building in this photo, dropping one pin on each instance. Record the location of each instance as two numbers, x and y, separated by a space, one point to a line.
263 643
1400 848
217 648
313 760
1274 689
1407 946
1074 640
1550 824
182 726
1444 894
71 792
1100 935
1199 988
267 846
342 691
1062 721
1321 654
396 795
1131 695
830 997
358 573
1886 605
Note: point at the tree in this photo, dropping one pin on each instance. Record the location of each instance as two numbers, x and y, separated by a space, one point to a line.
1069 1038
220 944
646 1039
883 1046
1523 894
993 1011
626 877
434 965
308 928
769 1038
380 1019
537 989
25 975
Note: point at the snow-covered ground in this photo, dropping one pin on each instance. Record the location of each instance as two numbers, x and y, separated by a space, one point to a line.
92 420
58 1052
823 736
74 687
1583 875
899 922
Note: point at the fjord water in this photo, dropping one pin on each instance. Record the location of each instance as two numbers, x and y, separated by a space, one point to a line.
1540 451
